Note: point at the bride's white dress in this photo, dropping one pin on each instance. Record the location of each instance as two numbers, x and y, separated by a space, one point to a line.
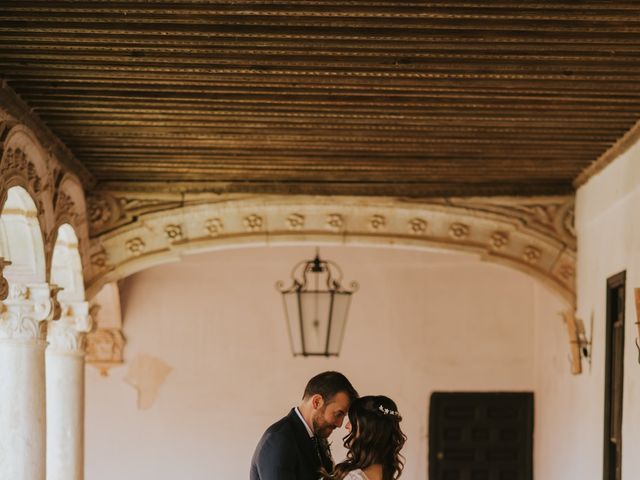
356 475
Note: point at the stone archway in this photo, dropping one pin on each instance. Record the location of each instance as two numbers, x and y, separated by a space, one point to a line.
534 235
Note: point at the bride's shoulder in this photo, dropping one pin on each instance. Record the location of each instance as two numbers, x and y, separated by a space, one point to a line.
355 475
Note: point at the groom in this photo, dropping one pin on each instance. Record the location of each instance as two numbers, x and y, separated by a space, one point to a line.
295 447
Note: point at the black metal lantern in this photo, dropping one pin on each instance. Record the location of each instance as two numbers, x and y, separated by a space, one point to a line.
316 306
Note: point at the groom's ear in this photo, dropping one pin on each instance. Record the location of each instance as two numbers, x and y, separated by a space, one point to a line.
317 401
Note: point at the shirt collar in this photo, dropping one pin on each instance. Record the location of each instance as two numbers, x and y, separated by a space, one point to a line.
304 422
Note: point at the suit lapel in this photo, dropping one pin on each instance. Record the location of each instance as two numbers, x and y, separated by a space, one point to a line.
306 444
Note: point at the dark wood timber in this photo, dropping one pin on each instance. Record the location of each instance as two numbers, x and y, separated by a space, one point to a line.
361 97
614 377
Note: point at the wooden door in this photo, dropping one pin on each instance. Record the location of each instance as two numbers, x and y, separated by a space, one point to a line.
614 374
481 436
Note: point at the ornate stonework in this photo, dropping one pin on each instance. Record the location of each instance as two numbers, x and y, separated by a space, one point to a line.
68 333
295 221
4 284
25 311
418 226
104 348
107 211
535 236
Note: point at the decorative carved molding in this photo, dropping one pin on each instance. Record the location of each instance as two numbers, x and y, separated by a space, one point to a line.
173 232
499 240
214 226
551 216
104 348
68 334
135 246
459 231
534 235
24 114
295 221
4 284
253 222
25 311
335 222
418 226
16 162
107 211
377 223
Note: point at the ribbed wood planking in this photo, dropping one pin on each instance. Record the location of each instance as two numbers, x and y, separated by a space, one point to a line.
436 98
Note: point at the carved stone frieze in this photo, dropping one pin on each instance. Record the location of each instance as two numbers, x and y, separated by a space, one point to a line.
377 222
173 232
16 162
517 232
295 221
335 222
459 231
107 211
214 226
25 311
532 254
551 216
499 240
135 245
418 226
253 222
66 207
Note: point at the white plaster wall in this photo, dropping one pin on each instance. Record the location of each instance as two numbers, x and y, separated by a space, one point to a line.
421 322
609 242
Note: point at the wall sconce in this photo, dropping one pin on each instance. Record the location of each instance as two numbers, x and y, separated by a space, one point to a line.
580 344
316 307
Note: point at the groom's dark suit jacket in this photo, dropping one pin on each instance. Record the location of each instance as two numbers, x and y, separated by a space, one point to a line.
285 452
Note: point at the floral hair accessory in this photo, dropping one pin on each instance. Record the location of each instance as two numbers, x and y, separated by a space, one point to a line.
387 411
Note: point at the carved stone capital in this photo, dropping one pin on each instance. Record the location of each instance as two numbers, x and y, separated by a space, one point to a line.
25 312
68 334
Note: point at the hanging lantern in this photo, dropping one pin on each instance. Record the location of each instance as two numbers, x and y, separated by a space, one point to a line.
316 307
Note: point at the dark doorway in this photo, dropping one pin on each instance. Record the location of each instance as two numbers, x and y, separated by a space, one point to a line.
614 374
481 436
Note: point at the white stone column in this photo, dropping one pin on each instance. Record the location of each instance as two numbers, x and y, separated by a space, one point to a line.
65 392
22 381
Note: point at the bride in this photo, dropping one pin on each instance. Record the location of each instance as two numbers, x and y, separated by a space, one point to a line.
374 442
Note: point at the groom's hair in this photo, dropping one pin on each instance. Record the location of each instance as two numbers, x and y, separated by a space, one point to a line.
328 384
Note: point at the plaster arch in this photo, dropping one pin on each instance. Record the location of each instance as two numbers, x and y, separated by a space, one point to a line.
69 206
21 239
533 235
66 266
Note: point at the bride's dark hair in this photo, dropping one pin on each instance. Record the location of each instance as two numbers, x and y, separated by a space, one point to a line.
375 437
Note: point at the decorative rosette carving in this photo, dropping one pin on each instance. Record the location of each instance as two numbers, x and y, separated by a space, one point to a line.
253 222
377 223
335 221
295 221
418 226
214 226
173 233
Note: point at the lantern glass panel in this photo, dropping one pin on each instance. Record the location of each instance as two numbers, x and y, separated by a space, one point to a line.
315 307
293 321
341 302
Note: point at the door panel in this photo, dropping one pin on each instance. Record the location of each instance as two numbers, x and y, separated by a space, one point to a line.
481 436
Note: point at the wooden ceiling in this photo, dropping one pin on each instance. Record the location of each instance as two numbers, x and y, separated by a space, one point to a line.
329 97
